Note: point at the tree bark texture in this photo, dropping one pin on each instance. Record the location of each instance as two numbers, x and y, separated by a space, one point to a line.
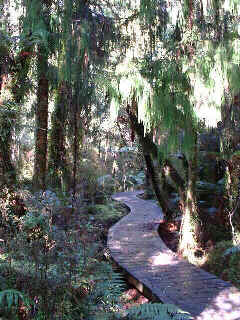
75 149
7 169
177 179
190 234
58 166
41 116
152 172
150 152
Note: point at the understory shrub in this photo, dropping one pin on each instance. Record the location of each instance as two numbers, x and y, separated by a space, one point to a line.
224 261
49 273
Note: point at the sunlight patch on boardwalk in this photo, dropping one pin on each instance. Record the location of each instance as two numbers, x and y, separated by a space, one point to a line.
135 245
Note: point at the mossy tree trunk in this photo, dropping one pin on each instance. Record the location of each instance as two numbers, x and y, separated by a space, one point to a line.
190 234
153 174
76 145
43 12
41 116
7 119
151 158
176 179
8 172
58 166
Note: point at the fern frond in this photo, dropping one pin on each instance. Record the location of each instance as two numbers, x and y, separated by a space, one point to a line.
11 297
108 286
157 311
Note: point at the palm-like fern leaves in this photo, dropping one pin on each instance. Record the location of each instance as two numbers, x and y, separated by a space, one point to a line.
157 311
11 298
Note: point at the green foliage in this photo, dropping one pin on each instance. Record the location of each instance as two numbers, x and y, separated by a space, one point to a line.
11 298
11 211
11 301
223 261
170 105
157 81
35 225
149 10
66 275
36 24
42 201
104 298
160 89
4 46
88 179
106 212
9 112
157 311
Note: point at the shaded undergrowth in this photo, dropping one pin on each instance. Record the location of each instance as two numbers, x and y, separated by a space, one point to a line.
54 263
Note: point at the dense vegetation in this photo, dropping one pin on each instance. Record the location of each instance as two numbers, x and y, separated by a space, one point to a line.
105 96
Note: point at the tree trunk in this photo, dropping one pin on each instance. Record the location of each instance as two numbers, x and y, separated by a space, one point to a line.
174 175
75 150
41 116
150 152
190 234
58 166
228 131
177 180
7 169
152 172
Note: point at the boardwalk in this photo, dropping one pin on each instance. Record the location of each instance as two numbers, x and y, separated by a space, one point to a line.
135 245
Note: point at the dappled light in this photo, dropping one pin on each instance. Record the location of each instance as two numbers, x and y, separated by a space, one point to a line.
139 250
119 159
163 259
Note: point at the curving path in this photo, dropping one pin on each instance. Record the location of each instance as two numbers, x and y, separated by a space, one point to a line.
135 245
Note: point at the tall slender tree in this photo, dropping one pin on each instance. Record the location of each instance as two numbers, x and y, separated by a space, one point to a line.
41 118
7 116
41 113
58 165
83 45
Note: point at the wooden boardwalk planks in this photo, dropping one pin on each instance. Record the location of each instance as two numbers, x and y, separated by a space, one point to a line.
135 245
